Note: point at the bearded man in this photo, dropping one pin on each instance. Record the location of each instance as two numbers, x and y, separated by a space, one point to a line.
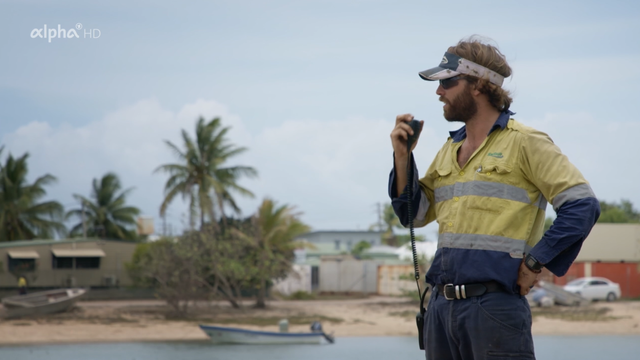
488 188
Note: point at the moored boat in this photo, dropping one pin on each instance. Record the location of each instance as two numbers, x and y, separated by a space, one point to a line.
229 335
41 302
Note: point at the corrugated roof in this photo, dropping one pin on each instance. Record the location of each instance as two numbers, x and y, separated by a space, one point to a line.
78 252
39 242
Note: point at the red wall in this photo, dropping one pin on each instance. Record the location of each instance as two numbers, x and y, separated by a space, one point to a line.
625 274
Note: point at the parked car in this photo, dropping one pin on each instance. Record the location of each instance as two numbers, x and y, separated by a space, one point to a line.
594 288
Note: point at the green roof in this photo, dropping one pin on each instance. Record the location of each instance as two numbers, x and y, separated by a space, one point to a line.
322 249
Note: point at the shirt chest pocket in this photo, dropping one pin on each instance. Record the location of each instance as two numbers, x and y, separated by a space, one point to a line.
495 171
440 172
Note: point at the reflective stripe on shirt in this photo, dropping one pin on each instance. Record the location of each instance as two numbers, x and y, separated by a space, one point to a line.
514 247
575 193
422 209
485 188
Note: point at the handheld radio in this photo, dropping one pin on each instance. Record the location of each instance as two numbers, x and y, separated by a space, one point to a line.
417 128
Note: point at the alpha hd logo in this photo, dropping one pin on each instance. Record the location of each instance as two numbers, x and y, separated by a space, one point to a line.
50 33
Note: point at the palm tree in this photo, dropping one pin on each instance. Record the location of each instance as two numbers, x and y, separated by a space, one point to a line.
22 217
106 216
201 177
272 232
389 221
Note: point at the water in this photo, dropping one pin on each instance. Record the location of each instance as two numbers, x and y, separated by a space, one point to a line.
370 348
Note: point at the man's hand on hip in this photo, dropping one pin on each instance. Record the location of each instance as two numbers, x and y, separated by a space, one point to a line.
526 279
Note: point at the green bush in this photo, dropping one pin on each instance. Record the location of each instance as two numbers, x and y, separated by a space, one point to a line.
301 295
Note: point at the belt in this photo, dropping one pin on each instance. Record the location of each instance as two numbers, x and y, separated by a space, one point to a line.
452 292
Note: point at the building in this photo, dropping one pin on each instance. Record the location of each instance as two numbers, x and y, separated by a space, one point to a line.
342 241
611 251
65 263
334 269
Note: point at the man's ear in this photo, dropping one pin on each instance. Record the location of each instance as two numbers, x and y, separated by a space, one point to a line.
474 89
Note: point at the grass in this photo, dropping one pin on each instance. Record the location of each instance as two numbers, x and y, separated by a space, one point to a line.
301 295
22 323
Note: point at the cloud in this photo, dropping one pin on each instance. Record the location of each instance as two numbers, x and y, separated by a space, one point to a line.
333 170
604 151
128 142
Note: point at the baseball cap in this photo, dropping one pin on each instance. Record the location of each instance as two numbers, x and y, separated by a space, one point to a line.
452 65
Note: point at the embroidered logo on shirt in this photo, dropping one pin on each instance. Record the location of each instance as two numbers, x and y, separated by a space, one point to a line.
495 155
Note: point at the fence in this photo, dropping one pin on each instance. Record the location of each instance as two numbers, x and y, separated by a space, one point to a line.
348 275
299 279
395 279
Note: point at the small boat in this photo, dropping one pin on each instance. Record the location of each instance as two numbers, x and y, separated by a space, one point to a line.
228 335
41 302
561 296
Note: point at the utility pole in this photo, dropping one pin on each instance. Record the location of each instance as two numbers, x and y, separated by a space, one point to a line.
379 217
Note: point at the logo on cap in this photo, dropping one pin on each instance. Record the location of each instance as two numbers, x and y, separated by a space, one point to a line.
445 60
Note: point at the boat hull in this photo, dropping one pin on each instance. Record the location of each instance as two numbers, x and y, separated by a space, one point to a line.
41 303
225 335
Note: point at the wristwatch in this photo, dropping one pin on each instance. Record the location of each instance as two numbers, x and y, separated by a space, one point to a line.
533 264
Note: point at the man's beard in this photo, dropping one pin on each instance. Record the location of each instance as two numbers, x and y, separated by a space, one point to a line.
462 108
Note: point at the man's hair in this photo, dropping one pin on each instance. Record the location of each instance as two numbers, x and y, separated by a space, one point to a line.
489 56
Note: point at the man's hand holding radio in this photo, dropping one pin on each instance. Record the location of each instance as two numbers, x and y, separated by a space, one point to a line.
399 136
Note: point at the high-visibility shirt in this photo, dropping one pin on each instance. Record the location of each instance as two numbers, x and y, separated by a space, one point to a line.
491 212
22 282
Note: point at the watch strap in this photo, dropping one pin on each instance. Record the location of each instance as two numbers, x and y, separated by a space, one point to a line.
532 263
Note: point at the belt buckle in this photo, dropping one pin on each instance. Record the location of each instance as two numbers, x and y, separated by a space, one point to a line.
456 291
449 288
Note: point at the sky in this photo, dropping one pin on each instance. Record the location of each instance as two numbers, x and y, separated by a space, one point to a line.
311 88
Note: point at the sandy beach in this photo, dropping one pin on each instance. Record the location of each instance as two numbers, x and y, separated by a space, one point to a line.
151 320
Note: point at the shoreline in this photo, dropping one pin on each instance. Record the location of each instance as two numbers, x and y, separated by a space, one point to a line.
146 321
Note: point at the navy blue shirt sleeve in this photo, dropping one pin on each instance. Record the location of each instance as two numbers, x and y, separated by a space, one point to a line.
561 244
401 203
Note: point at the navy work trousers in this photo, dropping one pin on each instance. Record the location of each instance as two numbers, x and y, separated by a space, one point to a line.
493 326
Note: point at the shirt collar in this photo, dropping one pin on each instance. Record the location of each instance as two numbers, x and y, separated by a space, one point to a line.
501 123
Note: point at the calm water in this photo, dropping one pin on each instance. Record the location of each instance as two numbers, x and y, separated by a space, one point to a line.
370 348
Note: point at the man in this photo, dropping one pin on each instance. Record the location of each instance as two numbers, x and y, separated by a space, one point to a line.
488 189
22 286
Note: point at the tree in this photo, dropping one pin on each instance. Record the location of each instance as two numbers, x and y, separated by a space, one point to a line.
622 212
203 264
547 223
271 235
390 221
402 239
359 249
221 260
201 177
22 216
106 214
